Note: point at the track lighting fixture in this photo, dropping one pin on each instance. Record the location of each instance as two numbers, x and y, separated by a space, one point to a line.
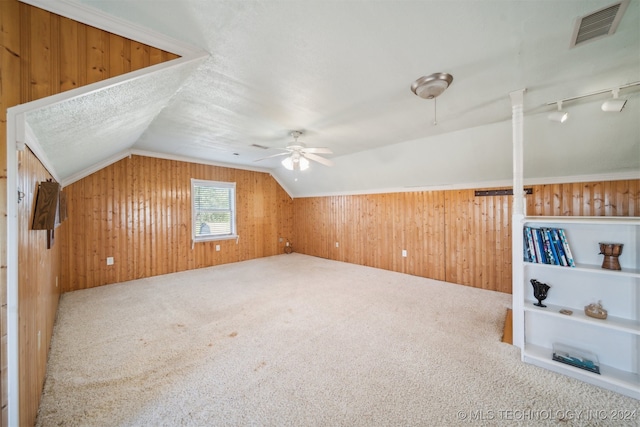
559 116
614 105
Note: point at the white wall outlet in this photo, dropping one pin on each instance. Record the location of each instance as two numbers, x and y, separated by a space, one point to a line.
217 248
404 253
109 260
337 245
280 240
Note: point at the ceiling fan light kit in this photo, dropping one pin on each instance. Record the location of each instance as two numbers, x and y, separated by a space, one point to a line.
297 163
299 155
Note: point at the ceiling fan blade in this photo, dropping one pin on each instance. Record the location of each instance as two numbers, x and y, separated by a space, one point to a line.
317 150
318 159
273 155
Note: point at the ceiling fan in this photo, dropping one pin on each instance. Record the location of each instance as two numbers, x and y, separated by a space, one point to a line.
299 154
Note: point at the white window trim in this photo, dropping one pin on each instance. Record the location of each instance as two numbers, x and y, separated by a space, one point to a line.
218 184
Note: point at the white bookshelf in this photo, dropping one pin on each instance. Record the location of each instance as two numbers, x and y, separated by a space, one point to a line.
614 340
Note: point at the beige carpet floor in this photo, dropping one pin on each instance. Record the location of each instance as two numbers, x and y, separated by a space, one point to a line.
294 340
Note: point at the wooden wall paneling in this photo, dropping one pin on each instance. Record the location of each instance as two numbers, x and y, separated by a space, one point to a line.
373 230
602 198
38 298
374 234
40 54
249 246
453 228
449 235
97 61
307 233
43 54
154 236
285 211
139 55
506 278
119 55
628 199
376 230
336 228
155 56
54 51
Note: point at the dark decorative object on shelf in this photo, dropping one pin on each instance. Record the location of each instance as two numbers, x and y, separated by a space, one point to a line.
539 291
611 252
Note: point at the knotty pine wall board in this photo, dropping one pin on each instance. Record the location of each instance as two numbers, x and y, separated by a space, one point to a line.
138 211
449 235
43 54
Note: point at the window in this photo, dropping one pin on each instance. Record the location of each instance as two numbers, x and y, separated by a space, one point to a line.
213 210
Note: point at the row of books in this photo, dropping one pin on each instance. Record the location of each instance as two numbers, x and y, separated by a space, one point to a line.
547 246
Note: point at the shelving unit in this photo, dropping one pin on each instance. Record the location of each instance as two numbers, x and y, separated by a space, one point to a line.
614 340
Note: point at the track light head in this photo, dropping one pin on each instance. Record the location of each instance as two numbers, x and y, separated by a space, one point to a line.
614 105
559 116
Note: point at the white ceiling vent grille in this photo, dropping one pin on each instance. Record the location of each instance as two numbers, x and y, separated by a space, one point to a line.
600 23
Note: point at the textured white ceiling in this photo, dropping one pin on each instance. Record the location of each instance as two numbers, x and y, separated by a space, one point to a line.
88 129
341 71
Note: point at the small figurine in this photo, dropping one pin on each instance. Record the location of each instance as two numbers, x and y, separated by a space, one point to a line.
595 310
539 291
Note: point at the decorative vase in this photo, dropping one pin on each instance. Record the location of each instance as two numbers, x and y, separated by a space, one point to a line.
539 292
611 252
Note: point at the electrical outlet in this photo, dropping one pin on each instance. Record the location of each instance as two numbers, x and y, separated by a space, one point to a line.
217 248
337 245
280 240
109 260
404 253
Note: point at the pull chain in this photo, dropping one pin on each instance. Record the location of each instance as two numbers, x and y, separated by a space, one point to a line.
435 111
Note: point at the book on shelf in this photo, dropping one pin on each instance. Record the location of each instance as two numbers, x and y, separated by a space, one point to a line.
547 246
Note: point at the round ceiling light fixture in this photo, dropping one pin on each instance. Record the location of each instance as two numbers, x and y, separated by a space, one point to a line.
432 86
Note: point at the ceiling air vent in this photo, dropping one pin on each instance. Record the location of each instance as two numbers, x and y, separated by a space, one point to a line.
259 146
600 23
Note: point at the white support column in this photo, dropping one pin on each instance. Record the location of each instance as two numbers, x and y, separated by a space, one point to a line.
517 120
517 290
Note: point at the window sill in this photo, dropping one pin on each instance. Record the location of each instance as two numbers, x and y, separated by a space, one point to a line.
214 238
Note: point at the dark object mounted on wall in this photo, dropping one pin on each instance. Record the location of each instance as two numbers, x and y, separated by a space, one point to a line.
44 215
62 210
507 192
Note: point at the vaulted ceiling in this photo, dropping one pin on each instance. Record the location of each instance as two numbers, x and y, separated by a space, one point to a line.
341 71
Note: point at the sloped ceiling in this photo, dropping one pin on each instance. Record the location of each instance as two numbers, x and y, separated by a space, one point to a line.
341 72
